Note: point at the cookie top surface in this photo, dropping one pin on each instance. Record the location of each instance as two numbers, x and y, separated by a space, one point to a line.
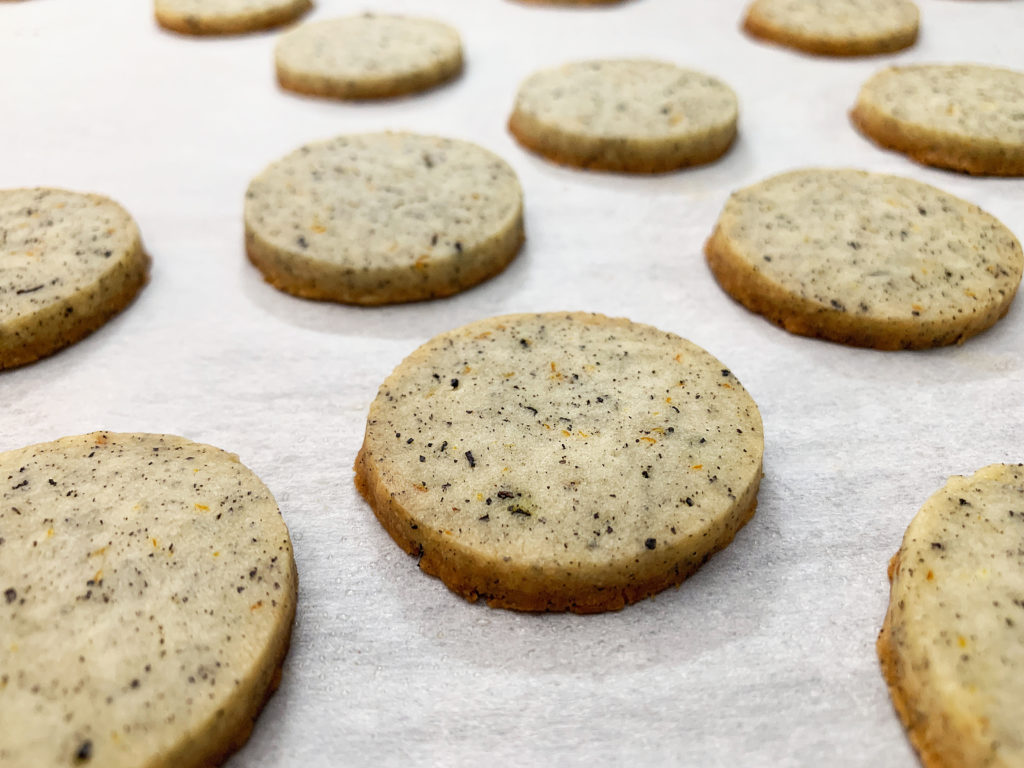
850 26
627 99
148 590
870 249
968 101
957 619
54 243
368 55
564 454
226 16
376 217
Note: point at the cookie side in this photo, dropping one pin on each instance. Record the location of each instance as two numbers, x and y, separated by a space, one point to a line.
629 115
804 317
976 157
474 578
191 19
310 279
626 155
928 735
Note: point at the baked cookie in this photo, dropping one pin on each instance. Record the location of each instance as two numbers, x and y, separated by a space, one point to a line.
226 17
835 27
952 645
633 116
382 218
68 263
148 595
865 259
367 57
960 116
560 462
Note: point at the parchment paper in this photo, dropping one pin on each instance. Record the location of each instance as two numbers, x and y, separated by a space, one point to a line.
766 656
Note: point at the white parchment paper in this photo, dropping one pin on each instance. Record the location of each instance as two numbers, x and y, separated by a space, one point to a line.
766 656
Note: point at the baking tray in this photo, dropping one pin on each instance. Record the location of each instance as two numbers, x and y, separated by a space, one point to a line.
765 656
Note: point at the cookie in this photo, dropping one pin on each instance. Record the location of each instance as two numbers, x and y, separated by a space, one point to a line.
382 218
835 27
952 645
148 595
68 263
632 116
561 461
367 57
965 117
226 17
865 259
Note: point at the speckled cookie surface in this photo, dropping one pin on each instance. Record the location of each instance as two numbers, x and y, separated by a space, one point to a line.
965 117
383 218
369 56
148 591
68 262
952 645
625 115
226 17
865 259
835 27
561 461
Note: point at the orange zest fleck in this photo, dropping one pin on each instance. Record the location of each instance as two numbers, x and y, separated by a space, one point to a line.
421 488
567 433
650 440
697 466
930 576
203 507
256 606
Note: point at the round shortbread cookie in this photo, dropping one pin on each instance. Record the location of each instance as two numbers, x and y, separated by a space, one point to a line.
952 645
865 259
961 116
367 57
68 263
383 218
561 461
835 27
633 116
148 595
226 17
